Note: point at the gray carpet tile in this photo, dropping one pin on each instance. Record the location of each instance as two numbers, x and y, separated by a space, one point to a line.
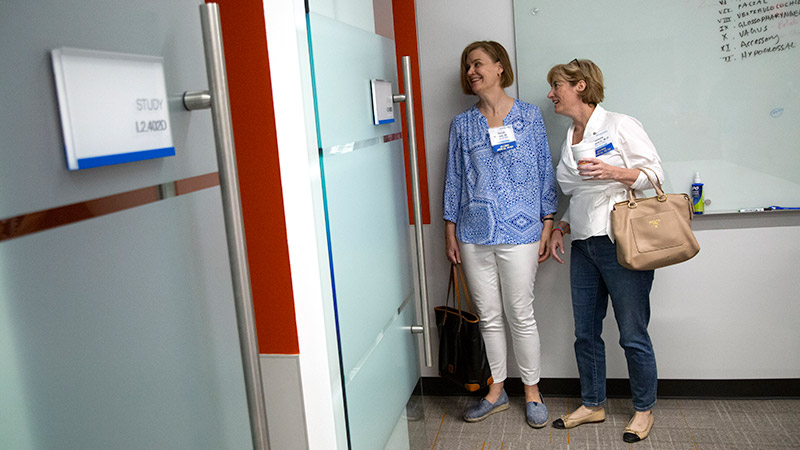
435 423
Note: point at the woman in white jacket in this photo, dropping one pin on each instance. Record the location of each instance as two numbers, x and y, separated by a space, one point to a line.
621 147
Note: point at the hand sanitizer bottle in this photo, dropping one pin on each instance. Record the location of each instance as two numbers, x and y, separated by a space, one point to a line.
697 195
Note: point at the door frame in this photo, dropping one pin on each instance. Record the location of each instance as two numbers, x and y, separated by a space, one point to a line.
290 71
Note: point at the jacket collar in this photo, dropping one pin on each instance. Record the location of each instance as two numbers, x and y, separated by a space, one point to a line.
593 126
596 121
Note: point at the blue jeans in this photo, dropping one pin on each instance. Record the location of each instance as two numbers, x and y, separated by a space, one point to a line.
594 274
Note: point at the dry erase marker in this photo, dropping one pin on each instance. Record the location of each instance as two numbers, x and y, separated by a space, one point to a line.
769 208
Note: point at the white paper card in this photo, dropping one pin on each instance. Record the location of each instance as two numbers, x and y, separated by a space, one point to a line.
113 107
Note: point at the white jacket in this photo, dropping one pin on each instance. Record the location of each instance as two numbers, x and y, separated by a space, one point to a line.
589 211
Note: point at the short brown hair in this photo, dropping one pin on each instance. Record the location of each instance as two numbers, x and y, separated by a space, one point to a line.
498 54
577 70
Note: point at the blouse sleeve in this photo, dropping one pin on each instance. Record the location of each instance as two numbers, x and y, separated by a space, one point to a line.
639 151
452 180
565 217
547 179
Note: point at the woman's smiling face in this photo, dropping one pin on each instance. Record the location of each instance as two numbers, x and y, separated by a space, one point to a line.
482 71
565 96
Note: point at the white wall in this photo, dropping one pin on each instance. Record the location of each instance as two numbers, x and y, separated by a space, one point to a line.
727 314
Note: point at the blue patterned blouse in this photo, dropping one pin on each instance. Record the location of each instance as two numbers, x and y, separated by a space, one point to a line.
499 198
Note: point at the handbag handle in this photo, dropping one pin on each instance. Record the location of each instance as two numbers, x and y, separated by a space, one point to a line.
452 286
466 292
457 272
656 185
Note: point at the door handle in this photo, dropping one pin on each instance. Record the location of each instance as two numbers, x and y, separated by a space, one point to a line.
408 98
218 100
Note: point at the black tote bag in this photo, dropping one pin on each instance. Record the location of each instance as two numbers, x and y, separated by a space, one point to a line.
462 353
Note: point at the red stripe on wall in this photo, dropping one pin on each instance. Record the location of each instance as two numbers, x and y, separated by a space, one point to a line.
405 33
247 63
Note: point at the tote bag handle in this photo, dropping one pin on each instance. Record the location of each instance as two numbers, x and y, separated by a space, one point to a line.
456 273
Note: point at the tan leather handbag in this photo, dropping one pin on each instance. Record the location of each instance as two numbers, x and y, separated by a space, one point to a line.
653 232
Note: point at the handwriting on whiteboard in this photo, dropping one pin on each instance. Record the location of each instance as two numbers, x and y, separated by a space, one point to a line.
754 28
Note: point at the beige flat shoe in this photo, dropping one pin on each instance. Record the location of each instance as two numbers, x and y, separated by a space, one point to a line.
566 422
631 435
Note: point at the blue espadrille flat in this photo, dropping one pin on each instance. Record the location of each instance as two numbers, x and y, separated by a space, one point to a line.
536 413
483 408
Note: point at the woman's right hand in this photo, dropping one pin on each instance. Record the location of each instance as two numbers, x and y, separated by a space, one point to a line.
557 241
453 252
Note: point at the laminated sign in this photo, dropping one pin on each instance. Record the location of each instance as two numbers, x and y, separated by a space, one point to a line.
113 107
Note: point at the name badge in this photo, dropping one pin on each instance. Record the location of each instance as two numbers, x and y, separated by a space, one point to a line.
502 138
602 143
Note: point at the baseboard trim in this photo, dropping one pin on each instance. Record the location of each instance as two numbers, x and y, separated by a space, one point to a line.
619 387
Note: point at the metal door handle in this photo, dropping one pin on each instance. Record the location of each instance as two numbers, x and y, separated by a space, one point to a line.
217 99
408 98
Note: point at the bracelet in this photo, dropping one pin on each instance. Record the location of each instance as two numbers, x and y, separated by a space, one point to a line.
547 218
559 230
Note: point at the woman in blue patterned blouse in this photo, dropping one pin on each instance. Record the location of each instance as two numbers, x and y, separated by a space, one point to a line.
499 201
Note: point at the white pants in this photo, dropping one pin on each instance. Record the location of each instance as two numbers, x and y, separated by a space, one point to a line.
500 281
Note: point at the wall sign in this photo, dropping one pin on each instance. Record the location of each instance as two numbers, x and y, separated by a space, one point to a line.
113 107
382 102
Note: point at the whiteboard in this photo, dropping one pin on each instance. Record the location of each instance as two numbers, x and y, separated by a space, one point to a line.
716 84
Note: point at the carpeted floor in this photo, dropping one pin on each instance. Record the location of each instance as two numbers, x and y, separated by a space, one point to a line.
435 423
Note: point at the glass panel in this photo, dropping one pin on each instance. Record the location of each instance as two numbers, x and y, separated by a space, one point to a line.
345 58
118 331
121 332
367 216
369 243
379 389
38 180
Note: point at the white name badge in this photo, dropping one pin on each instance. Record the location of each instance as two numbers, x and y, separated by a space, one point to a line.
502 138
602 143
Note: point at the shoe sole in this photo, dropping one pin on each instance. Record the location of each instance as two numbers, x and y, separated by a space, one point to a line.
495 410
536 425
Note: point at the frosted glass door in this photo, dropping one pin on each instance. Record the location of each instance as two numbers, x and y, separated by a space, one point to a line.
117 330
368 226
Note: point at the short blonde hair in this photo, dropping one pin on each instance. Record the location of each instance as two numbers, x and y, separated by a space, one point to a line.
577 70
498 54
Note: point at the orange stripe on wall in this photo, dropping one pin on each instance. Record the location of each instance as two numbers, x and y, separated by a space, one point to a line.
34 222
247 63
405 34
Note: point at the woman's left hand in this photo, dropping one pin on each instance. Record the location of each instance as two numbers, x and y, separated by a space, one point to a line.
544 243
596 169
544 248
